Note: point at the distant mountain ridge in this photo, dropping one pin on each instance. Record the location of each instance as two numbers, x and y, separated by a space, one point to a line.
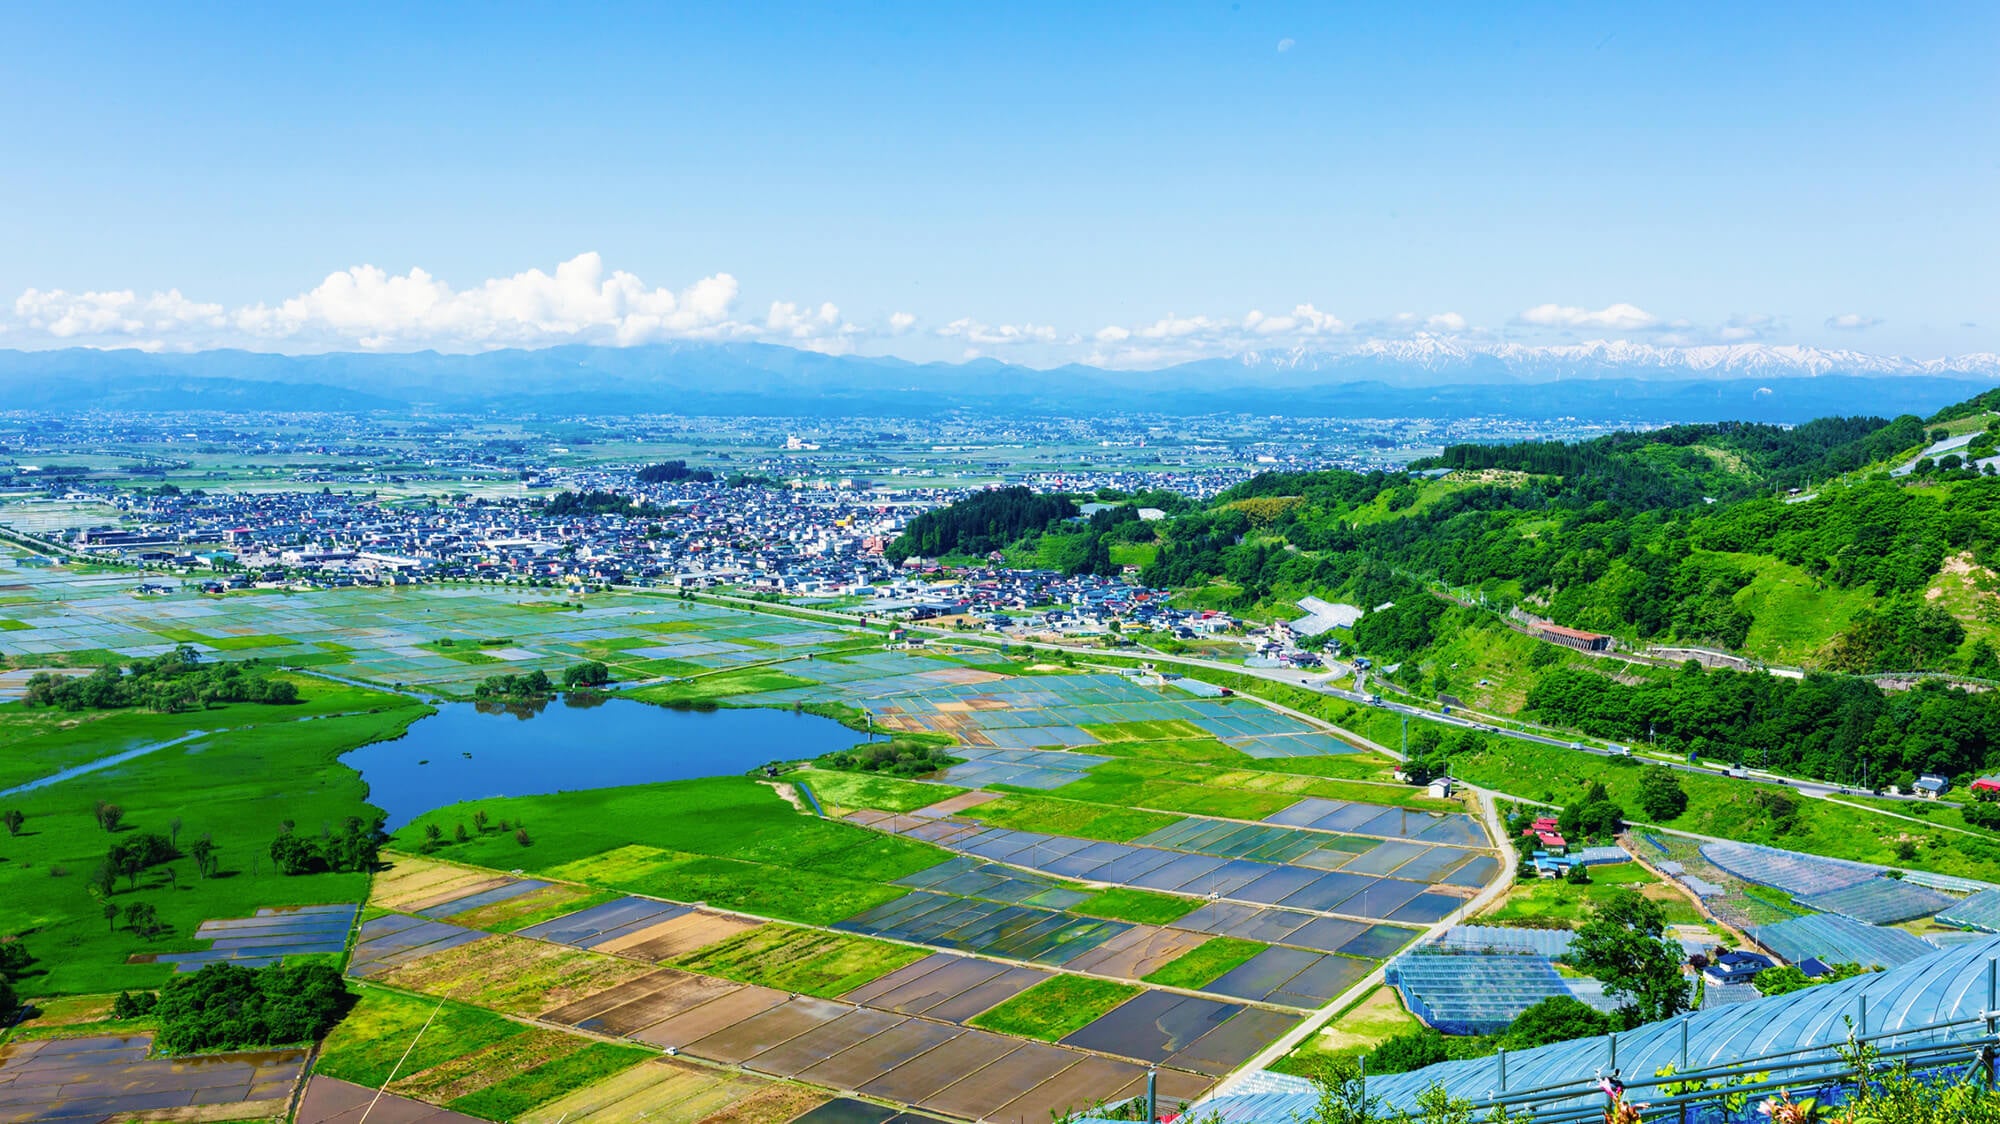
1425 377
1620 358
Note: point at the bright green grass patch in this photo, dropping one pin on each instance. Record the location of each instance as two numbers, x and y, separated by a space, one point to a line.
1204 962
263 766
726 840
366 1045
721 685
861 790
1134 553
655 669
1143 906
1158 729
1203 750
464 651
806 961
1124 784
676 626
1549 901
550 1080
1056 1008
1033 812
1792 615
7 625
248 643
180 635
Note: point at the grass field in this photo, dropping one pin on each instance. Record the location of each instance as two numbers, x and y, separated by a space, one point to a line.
1203 750
551 1079
726 840
1160 729
236 786
1728 809
513 975
848 791
1204 962
1372 1020
1032 812
1246 794
366 1045
1553 902
1056 1007
720 685
75 1016
471 1060
1792 615
1123 903
806 961
532 908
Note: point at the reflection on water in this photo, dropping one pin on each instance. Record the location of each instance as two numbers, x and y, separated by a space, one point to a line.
467 751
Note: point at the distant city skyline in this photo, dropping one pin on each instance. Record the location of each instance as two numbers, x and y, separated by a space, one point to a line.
1122 187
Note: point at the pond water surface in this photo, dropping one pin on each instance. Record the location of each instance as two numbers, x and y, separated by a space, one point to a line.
471 751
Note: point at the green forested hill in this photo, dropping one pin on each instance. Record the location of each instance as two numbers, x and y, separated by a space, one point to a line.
1794 546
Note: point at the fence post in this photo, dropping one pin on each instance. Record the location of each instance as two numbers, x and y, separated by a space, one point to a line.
1861 1001
1684 1044
1992 1002
1500 1058
1614 1055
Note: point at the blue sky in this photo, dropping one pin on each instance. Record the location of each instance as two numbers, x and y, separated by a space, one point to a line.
1040 182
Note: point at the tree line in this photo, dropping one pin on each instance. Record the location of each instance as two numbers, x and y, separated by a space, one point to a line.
171 683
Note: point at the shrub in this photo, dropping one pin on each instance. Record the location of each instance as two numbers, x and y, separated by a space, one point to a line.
134 1005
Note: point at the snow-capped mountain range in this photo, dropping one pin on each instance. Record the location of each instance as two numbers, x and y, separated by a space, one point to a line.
1617 359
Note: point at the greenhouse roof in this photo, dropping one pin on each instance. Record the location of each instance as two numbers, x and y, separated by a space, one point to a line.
1945 985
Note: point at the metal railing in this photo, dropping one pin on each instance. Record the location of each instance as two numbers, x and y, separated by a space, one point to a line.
1813 1069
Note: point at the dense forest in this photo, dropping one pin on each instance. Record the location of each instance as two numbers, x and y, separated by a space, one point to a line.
1039 531
673 472
599 503
984 522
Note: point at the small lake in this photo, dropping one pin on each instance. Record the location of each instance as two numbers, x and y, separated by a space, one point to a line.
472 751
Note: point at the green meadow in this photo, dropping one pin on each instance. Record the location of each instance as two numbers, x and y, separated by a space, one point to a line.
262 765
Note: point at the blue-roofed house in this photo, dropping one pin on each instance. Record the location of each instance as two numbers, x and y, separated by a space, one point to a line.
1735 967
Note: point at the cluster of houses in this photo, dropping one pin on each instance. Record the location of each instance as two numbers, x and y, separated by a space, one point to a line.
706 534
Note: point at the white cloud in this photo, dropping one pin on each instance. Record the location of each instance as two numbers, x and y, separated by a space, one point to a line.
368 307
1852 322
1745 326
67 315
1617 318
1303 319
579 302
900 322
974 331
